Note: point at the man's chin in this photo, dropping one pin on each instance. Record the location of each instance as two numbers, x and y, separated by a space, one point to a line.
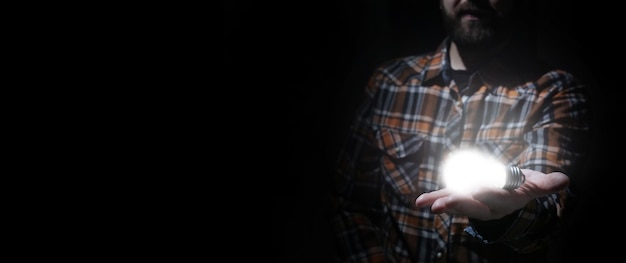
478 38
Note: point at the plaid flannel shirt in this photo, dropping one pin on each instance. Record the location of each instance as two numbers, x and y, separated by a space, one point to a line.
526 114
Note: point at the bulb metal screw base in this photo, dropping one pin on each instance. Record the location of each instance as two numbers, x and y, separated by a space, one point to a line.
514 178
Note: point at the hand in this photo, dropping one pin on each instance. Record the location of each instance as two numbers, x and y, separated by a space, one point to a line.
493 203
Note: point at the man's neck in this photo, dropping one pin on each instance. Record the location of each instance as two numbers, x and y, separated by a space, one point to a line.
470 58
456 62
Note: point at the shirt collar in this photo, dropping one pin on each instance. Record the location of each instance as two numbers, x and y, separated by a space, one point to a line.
512 66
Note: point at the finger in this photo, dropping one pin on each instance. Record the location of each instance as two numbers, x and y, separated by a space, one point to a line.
427 199
461 205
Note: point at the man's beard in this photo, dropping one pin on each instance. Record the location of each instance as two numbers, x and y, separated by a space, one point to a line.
478 33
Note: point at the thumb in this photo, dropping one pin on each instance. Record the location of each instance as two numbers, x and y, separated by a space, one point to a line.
547 183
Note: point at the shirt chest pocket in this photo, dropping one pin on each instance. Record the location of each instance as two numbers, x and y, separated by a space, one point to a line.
405 165
399 145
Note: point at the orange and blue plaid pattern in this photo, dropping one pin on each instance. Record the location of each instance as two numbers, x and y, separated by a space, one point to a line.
528 115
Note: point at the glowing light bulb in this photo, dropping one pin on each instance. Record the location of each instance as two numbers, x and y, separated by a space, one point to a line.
468 169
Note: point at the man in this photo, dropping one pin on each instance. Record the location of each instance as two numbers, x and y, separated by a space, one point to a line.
483 89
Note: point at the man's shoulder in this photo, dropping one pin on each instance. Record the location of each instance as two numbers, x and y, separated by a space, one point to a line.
421 61
412 66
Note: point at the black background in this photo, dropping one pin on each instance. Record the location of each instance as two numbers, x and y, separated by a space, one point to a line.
300 67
